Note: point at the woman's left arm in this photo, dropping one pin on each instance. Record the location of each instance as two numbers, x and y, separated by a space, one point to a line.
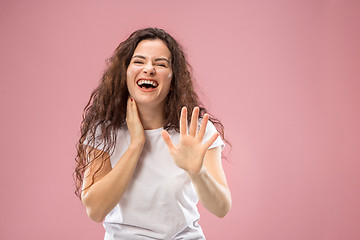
202 165
211 186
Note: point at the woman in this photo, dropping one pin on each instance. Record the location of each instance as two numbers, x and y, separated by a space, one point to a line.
140 168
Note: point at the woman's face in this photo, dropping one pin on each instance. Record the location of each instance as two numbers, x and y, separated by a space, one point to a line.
149 73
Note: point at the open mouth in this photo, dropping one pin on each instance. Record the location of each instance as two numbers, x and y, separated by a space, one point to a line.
147 84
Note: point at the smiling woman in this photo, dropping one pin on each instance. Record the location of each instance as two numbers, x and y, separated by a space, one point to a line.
149 75
143 162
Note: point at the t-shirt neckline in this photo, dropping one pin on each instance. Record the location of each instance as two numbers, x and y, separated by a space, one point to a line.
154 131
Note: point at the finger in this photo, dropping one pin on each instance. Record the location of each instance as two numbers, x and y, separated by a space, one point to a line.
209 142
194 121
132 113
128 106
134 107
129 101
203 125
167 140
183 121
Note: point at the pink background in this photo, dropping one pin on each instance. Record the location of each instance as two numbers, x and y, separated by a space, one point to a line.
283 76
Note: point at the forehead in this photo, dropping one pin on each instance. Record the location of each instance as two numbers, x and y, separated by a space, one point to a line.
150 48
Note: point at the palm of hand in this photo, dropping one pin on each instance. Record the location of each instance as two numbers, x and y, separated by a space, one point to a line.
189 153
133 122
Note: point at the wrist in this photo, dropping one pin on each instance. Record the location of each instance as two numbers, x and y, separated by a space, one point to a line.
139 144
194 176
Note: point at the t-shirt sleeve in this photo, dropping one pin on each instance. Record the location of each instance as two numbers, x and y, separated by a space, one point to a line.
210 130
97 143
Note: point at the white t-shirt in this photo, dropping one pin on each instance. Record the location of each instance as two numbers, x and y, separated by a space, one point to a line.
160 201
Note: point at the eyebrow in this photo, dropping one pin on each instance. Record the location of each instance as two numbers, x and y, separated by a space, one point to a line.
156 59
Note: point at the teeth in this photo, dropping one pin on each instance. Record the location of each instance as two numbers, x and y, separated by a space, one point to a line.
140 82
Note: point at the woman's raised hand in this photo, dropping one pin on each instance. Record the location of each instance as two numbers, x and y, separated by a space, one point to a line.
135 127
189 153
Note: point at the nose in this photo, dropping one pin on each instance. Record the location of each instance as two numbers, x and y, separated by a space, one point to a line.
149 69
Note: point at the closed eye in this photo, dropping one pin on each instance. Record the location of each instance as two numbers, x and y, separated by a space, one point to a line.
161 64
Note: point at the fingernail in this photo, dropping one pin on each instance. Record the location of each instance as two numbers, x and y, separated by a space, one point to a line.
132 99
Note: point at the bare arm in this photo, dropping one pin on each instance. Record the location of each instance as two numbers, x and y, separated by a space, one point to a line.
110 184
211 186
202 165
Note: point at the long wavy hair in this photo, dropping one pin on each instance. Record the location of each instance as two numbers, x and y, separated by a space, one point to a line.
106 108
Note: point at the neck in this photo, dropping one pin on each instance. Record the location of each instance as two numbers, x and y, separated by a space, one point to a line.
151 117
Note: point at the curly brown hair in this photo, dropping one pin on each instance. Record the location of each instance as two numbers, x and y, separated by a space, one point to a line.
106 108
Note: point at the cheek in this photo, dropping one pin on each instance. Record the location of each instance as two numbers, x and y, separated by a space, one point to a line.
129 79
170 76
168 79
132 71
130 76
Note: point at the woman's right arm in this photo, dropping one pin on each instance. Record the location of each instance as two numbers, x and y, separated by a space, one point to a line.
110 184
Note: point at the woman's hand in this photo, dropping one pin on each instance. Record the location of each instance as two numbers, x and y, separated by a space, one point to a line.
189 153
135 127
